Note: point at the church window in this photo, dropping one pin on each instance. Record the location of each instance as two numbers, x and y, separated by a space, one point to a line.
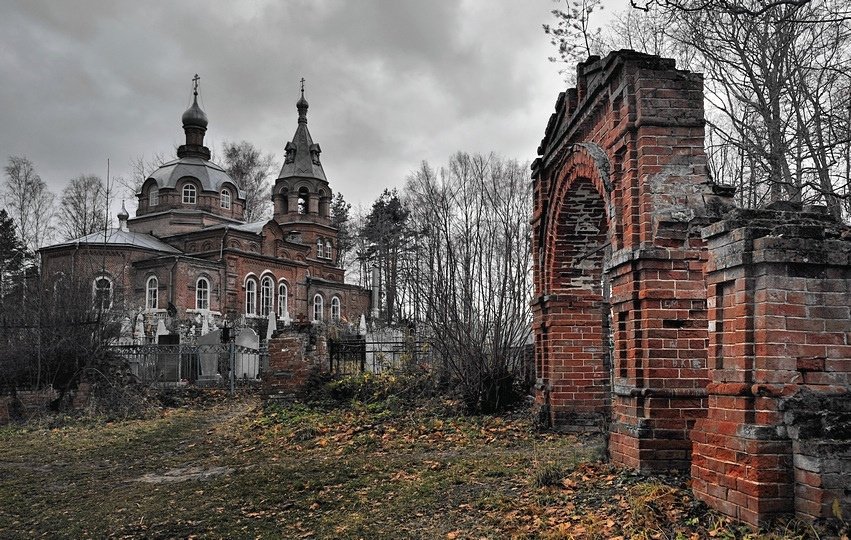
251 297
152 288
319 248
335 308
328 249
266 288
154 196
190 194
282 299
225 199
318 307
102 293
302 200
202 294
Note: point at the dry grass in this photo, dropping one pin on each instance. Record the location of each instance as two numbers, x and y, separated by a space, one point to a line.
235 470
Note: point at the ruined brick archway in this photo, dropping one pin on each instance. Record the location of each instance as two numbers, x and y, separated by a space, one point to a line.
702 337
573 353
620 313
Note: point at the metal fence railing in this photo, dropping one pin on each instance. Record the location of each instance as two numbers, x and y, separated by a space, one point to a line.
357 355
211 364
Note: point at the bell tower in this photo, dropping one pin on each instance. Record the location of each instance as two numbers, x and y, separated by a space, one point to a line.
301 192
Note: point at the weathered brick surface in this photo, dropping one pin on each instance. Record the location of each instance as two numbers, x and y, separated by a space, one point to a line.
779 413
292 357
709 337
620 195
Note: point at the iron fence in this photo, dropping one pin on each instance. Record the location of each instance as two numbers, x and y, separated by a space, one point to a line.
357 355
204 365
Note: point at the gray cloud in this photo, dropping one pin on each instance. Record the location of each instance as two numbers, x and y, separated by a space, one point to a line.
390 82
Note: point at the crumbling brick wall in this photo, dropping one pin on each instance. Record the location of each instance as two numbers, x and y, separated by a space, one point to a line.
778 427
292 358
710 338
620 196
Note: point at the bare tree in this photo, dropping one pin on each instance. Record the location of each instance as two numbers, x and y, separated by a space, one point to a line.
140 170
777 89
467 270
82 208
249 168
574 35
29 202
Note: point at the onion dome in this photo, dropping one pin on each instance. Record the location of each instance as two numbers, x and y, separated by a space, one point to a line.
194 116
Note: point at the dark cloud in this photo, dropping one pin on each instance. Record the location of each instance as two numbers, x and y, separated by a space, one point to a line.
390 82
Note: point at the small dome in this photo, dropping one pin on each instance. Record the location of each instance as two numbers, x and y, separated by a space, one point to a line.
123 215
194 116
301 103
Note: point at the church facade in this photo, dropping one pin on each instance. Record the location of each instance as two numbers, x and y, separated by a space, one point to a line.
188 257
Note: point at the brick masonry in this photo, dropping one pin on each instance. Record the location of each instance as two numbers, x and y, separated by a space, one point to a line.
777 435
701 336
292 358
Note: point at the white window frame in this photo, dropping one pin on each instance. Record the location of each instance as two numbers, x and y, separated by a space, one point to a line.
225 199
335 308
267 296
202 294
190 194
251 296
154 196
283 291
318 307
328 248
152 293
320 246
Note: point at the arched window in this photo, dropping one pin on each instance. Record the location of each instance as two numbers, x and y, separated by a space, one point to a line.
152 293
319 248
251 297
303 195
328 249
267 287
282 300
102 289
153 196
318 307
190 194
225 199
202 293
335 308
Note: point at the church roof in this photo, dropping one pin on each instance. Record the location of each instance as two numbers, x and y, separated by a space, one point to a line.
211 176
255 227
119 237
302 155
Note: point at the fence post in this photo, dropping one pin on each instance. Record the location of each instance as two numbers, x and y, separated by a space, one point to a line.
232 355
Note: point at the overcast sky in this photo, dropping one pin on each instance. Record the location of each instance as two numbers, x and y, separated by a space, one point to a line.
390 82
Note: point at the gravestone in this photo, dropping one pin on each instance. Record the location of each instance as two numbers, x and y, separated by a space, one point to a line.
210 349
247 364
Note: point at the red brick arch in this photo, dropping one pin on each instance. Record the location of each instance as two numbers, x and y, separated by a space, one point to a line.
582 185
576 240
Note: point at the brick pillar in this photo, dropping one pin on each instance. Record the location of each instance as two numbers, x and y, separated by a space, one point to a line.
778 295
288 367
659 330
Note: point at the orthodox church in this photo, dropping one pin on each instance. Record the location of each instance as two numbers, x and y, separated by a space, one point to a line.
188 256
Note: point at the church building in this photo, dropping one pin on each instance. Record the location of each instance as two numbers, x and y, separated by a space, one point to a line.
189 256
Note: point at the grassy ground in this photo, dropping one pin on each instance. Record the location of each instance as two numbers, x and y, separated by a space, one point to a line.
232 469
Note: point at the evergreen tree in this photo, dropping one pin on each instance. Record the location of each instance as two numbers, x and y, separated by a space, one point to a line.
385 228
340 219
